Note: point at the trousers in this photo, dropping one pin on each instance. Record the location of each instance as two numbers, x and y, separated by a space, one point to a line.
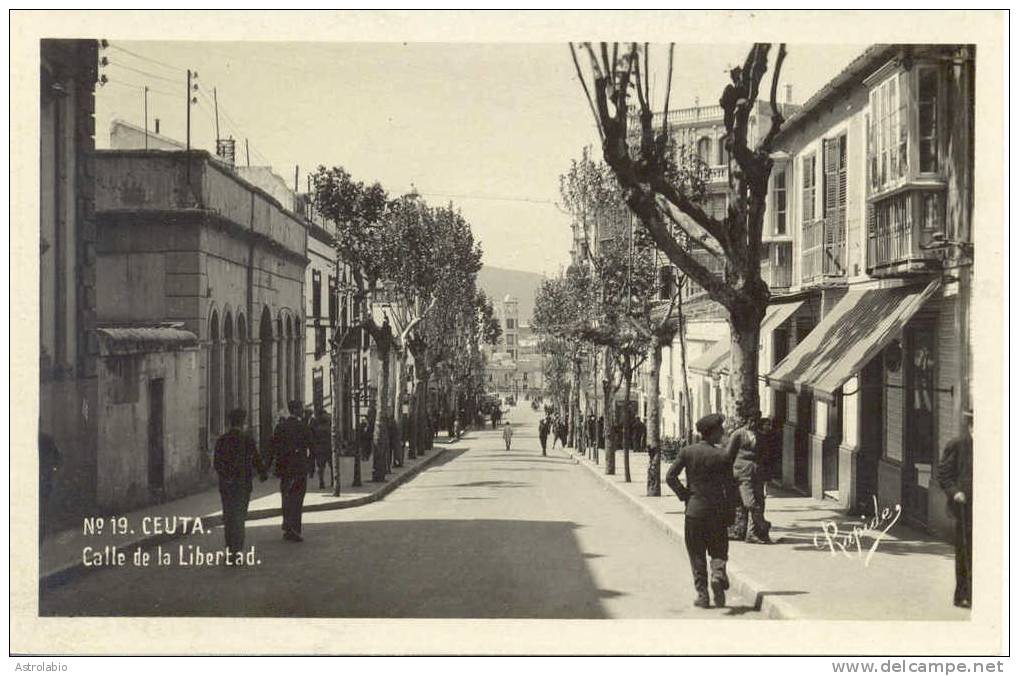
235 496
292 490
706 537
963 555
750 521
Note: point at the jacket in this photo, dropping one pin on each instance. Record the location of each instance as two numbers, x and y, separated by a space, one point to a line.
955 471
291 445
507 433
708 493
237 458
322 433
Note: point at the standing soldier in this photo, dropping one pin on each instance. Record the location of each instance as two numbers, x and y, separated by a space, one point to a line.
955 474
708 512
291 444
543 426
236 461
322 433
749 448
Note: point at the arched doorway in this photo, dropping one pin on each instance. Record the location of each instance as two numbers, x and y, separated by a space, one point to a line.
242 364
215 398
298 351
281 392
229 374
265 388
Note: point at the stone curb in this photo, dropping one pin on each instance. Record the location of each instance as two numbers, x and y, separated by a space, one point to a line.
741 582
67 573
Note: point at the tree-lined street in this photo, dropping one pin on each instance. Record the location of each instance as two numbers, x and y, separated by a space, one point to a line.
484 533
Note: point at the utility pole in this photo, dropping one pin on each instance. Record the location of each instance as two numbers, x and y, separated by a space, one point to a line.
187 156
146 118
215 104
247 152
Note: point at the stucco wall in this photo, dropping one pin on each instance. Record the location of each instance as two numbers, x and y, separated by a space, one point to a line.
124 428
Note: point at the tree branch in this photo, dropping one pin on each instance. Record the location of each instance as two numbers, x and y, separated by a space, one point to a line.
668 92
587 93
776 114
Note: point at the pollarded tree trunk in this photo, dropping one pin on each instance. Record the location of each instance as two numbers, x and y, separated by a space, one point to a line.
576 420
609 427
594 398
383 406
627 422
743 401
654 424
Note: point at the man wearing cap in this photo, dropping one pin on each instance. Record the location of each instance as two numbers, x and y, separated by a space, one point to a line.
955 474
291 445
236 461
708 507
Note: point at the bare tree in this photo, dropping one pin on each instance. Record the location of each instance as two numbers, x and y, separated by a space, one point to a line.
664 204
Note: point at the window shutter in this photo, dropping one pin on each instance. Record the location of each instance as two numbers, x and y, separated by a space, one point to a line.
830 175
842 175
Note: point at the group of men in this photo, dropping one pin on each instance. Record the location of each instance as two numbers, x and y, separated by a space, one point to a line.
299 446
554 425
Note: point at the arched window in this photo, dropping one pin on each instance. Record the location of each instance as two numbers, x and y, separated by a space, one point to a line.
281 378
266 411
229 374
722 157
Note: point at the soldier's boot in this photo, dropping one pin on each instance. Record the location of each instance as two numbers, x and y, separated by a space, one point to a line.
738 530
719 581
702 600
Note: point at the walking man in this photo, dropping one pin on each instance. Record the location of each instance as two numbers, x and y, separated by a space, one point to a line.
236 461
543 426
708 512
291 445
322 433
507 434
955 474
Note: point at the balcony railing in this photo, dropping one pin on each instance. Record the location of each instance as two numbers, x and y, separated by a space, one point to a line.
824 249
688 115
777 269
900 224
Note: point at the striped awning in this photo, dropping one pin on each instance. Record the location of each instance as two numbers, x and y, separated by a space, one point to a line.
715 360
848 337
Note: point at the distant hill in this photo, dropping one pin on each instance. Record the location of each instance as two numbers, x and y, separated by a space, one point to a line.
497 282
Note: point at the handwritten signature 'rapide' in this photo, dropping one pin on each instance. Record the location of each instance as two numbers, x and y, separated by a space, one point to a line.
849 543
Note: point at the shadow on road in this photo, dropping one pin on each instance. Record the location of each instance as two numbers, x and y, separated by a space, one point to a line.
416 568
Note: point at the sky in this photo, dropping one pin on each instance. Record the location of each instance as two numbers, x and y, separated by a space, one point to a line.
488 127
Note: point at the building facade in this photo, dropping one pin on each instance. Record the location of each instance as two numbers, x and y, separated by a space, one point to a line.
188 245
68 345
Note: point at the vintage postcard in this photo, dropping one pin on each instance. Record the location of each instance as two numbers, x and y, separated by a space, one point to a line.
474 333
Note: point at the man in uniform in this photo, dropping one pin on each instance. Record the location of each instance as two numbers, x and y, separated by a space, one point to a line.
543 426
236 461
291 444
322 433
955 474
708 508
749 448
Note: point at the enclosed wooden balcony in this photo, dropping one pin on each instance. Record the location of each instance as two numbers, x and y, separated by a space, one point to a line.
824 249
777 264
900 225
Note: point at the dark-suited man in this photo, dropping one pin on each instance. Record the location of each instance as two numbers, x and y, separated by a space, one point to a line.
543 426
291 444
236 461
955 474
322 448
708 507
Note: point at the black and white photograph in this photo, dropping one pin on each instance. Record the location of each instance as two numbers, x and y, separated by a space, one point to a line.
477 317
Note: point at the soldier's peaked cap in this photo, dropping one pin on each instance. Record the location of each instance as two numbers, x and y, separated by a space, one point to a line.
710 423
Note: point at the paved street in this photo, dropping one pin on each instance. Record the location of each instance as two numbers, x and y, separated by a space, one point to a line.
482 533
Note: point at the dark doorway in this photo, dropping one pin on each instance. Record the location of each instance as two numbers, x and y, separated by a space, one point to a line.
804 416
779 398
872 425
265 388
918 451
830 446
156 454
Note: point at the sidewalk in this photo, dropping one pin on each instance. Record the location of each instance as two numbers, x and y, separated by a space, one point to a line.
60 555
910 576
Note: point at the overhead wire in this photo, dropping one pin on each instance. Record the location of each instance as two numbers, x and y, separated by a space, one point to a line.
146 58
145 72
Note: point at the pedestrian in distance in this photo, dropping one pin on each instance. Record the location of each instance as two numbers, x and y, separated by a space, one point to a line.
364 440
955 474
543 426
236 461
708 507
601 432
322 448
748 447
507 434
293 464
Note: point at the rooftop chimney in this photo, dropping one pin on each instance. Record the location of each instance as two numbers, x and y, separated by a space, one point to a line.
788 93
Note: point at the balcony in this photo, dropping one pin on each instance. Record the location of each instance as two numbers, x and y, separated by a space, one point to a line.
901 224
777 265
690 115
824 250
